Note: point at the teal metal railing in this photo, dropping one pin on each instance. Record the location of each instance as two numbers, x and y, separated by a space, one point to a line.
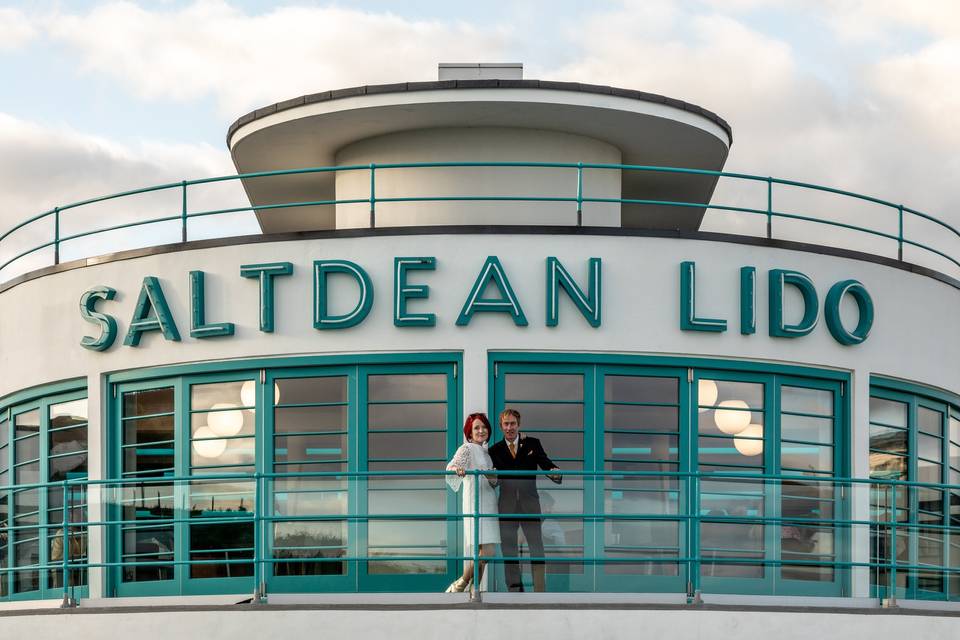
891 553
48 225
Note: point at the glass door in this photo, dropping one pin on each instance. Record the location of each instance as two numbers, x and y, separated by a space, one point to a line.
556 406
309 436
409 418
640 433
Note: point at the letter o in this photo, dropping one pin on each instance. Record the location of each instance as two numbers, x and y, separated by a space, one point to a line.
831 312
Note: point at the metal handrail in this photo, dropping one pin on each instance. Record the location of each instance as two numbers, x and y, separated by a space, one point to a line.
690 484
184 215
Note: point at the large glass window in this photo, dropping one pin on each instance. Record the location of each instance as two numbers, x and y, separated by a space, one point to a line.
913 437
42 441
190 447
4 500
649 429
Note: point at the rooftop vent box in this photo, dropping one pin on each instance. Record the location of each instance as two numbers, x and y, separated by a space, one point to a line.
480 71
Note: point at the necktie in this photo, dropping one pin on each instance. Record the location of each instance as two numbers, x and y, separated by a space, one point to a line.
513 450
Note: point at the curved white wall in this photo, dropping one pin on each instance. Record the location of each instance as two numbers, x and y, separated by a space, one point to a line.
913 336
477 144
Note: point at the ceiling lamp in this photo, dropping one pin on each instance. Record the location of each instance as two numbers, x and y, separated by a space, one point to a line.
225 419
208 448
750 447
732 416
248 395
706 394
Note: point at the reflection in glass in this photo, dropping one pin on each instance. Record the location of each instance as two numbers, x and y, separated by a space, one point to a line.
407 387
806 400
327 389
640 389
888 412
543 387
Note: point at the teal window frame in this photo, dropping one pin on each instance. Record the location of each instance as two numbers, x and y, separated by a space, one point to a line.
916 396
38 399
688 371
357 368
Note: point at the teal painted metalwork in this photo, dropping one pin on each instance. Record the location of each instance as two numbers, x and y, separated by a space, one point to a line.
151 313
183 216
198 309
404 291
265 273
588 304
695 519
493 273
832 312
688 296
322 319
779 278
748 300
106 322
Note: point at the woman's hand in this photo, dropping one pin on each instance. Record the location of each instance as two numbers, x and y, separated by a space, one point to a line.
461 471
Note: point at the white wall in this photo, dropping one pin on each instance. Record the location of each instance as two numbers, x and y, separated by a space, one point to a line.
913 336
477 144
482 624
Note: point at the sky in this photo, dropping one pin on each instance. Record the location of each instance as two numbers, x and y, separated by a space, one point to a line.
100 97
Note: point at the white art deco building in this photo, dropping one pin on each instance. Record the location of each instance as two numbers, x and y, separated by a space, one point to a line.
749 384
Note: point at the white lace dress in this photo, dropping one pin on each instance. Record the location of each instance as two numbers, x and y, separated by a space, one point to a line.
472 456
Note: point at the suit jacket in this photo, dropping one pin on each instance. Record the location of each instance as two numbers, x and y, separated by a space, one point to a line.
518 494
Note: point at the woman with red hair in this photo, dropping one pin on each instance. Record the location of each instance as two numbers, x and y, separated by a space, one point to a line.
472 456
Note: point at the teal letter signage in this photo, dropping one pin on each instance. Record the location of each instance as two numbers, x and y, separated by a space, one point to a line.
831 312
779 278
107 323
151 314
492 273
559 278
688 299
265 273
748 300
321 316
198 325
403 291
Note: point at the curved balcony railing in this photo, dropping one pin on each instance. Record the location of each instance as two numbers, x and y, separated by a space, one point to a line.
40 240
687 533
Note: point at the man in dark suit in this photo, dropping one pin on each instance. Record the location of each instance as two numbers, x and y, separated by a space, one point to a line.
518 495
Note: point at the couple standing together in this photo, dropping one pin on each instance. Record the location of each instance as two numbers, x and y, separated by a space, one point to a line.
518 495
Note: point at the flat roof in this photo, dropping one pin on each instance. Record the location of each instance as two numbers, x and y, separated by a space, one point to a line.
436 85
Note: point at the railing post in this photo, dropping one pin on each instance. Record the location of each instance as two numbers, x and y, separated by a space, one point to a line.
373 195
259 584
56 235
579 194
900 234
183 211
892 595
769 208
475 586
693 540
68 602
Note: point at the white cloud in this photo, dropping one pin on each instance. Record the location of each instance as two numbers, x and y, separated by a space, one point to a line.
43 167
16 29
247 61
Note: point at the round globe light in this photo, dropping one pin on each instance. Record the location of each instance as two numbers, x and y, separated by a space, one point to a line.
730 417
208 448
248 395
706 394
750 447
225 419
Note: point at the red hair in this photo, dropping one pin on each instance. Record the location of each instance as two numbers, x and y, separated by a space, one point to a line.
468 425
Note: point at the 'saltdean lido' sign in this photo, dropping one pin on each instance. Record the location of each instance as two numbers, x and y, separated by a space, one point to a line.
151 313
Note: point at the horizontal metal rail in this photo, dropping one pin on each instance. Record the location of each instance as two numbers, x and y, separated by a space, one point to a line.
259 551
38 225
